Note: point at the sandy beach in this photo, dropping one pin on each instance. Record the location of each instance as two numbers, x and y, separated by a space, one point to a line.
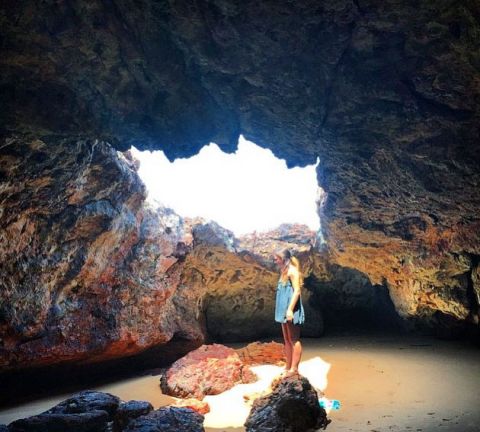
384 383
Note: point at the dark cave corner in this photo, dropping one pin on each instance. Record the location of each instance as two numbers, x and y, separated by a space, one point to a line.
350 304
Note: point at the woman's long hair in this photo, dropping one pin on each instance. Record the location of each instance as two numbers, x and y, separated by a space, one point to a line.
296 263
290 259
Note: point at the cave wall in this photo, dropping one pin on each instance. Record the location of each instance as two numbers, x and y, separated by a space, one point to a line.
89 270
386 93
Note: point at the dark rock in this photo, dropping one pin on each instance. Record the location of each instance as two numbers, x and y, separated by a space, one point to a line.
168 419
87 401
127 411
3 428
87 411
291 407
92 421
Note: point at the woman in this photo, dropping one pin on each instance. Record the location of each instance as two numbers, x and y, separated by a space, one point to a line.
289 309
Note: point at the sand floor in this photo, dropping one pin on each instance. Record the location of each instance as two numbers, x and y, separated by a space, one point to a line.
384 383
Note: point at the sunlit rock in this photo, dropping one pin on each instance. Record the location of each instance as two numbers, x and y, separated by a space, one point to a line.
208 370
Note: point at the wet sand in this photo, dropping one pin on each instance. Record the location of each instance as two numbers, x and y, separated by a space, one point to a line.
384 383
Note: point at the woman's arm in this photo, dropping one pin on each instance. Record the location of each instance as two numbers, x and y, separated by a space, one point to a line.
295 278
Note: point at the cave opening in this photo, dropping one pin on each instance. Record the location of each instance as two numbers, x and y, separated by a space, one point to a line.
247 191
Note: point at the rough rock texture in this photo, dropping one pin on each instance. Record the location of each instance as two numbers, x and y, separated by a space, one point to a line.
292 406
347 299
89 270
240 298
208 370
262 353
127 411
386 93
91 421
87 411
168 419
91 411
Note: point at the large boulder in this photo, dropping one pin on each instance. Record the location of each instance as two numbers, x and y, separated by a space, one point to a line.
292 406
90 271
209 370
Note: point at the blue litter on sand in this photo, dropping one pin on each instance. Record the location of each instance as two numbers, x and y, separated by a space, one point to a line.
329 404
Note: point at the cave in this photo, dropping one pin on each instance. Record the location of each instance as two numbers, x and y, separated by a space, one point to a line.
386 94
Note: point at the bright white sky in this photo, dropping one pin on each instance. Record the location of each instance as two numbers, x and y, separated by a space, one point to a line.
250 190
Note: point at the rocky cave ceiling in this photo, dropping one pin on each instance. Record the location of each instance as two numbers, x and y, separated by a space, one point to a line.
385 92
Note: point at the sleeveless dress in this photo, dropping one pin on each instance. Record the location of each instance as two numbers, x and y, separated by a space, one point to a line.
284 295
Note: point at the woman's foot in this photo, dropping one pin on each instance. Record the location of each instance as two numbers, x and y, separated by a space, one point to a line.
288 372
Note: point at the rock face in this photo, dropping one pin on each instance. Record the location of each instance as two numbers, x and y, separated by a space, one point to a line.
385 93
292 406
240 298
89 270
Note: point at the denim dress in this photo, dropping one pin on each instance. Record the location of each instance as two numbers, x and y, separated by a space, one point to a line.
284 295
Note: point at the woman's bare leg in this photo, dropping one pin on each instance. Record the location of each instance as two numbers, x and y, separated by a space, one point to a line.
287 346
294 336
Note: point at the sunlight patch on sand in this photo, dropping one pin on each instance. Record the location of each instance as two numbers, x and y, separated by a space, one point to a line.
229 409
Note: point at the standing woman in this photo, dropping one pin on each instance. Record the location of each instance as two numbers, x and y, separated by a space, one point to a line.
289 308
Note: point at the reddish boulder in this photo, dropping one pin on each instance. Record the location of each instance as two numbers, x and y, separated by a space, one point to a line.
209 370
262 353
